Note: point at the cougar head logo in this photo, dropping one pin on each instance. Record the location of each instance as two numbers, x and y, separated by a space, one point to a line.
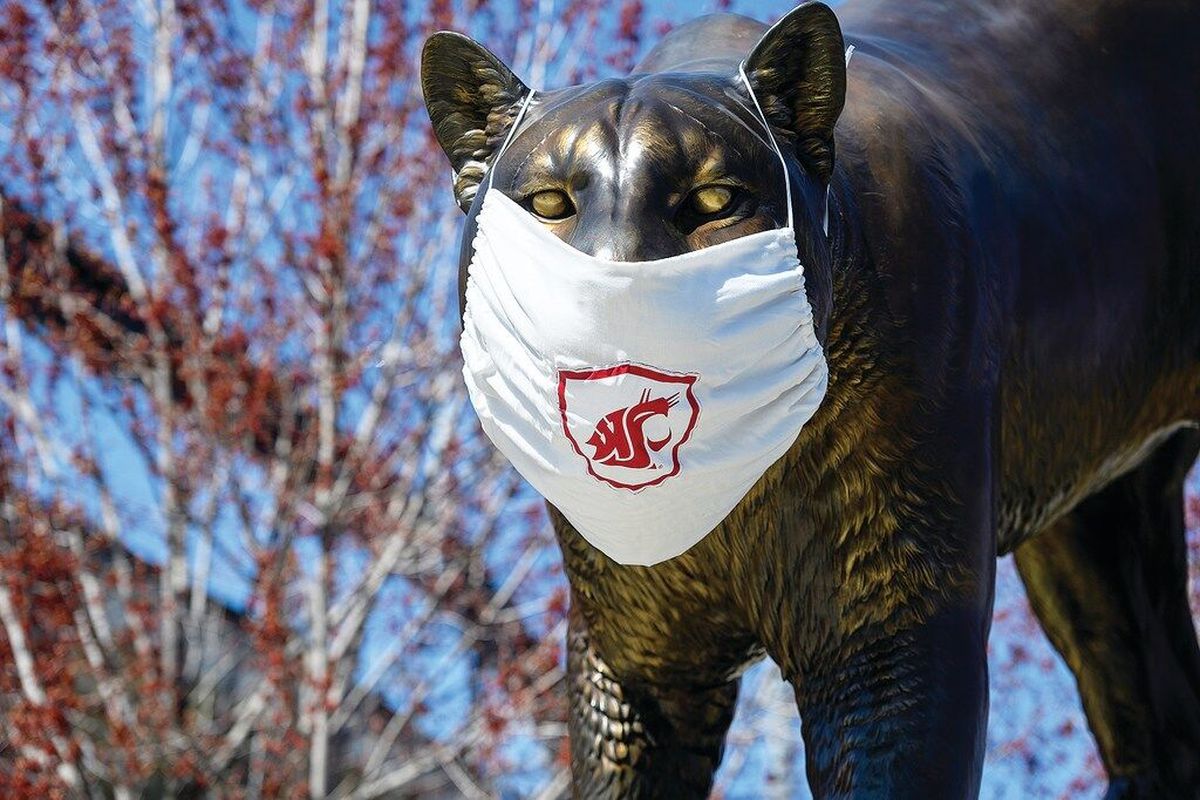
628 422
620 438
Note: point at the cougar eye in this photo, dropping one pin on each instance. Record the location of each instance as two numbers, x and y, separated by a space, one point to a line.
551 204
709 200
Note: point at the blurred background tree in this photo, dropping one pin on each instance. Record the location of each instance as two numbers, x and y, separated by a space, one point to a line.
252 543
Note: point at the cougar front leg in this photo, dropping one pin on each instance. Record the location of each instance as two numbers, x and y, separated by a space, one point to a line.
893 689
901 715
633 739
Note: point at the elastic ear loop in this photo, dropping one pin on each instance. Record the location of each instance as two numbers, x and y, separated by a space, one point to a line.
787 183
511 133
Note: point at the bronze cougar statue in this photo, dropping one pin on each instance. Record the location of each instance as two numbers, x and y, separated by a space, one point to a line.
1009 302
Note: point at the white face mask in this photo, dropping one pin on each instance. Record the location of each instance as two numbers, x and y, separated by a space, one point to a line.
642 399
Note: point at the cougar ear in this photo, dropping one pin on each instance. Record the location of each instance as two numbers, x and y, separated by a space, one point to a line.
798 72
472 99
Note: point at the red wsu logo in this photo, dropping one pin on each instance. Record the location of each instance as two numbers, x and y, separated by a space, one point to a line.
628 421
619 439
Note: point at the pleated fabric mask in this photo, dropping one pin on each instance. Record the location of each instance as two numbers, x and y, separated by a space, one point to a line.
643 399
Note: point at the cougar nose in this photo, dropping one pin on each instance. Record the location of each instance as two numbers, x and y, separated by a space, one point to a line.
607 252
605 236
612 251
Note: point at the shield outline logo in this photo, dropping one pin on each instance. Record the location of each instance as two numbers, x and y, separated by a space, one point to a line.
685 379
